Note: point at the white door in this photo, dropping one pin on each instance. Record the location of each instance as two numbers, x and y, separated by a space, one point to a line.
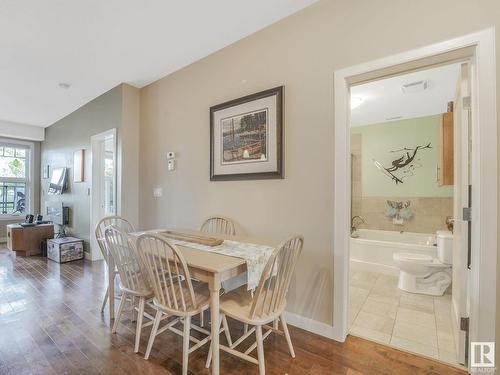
103 191
462 225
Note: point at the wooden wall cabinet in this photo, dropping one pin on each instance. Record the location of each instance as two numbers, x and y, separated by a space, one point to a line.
445 164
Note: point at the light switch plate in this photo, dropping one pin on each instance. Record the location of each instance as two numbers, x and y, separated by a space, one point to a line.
157 192
171 164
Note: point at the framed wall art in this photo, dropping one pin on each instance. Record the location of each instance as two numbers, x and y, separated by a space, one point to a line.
78 166
246 137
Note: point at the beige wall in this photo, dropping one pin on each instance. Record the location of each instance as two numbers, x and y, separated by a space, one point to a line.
301 52
62 139
118 108
128 155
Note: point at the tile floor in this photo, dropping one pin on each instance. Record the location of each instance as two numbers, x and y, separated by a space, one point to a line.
381 312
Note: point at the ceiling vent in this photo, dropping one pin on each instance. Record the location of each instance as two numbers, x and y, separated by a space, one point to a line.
413 87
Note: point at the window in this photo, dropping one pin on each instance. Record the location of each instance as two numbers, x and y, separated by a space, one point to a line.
14 178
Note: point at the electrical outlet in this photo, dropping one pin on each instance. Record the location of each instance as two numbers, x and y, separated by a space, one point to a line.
397 221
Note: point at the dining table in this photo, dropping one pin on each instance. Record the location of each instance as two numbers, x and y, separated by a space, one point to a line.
206 266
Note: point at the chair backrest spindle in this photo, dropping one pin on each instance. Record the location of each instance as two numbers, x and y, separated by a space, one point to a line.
105 222
168 273
270 294
218 225
127 263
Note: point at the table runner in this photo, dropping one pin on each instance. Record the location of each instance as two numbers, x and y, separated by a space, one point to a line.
256 256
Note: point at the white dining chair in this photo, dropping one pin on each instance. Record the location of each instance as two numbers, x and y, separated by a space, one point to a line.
218 225
133 283
266 305
105 222
174 294
225 226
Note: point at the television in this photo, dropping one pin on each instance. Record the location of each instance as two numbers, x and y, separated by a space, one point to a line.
57 213
57 183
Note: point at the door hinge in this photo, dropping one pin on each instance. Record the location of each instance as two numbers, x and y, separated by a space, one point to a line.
464 324
466 102
466 214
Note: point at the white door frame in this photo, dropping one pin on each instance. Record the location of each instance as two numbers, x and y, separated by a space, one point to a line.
95 253
479 47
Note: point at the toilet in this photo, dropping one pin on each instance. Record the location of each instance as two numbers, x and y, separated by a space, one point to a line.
423 274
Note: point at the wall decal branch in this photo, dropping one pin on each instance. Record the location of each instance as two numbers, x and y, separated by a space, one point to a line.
404 165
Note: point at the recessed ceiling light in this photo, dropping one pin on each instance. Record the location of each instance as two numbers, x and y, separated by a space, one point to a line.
64 85
356 101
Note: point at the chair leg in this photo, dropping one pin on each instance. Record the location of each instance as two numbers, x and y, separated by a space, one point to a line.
185 344
120 309
226 330
287 336
105 300
138 327
260 350
202 320
209 358
152 336
134 316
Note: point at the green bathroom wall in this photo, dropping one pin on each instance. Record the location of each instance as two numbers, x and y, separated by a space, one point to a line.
377 142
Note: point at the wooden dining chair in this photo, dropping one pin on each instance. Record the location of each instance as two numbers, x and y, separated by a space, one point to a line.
267 304
174 294
101 226
133 282
218 225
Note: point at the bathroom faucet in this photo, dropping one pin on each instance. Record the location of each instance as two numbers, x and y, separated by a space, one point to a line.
354 228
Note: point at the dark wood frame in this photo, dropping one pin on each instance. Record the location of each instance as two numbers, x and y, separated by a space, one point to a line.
278 91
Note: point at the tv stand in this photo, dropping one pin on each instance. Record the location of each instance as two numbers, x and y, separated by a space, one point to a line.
25 241
62 232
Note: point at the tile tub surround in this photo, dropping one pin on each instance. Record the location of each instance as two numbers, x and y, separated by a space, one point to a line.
379 311
429 214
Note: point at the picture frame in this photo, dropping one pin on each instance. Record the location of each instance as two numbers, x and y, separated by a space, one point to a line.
246 137
78 165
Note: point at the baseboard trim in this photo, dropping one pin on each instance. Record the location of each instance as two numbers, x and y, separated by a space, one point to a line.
314 326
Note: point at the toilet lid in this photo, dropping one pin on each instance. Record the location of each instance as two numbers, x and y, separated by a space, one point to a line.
416 258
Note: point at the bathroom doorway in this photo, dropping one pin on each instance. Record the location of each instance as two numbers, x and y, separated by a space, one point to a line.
473 242
403 151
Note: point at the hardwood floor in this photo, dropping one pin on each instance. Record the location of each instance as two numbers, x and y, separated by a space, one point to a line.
50 323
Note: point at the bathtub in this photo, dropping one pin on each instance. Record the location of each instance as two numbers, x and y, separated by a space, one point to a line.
373 249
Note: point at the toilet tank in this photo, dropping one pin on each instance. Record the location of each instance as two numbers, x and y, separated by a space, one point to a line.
445 246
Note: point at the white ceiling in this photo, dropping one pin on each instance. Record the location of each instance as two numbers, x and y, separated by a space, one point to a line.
384 99
95 45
